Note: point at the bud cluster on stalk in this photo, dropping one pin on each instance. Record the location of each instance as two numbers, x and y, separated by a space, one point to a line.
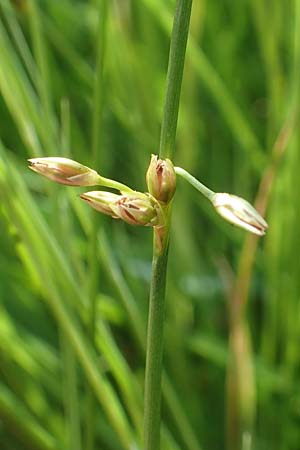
147 209
134 208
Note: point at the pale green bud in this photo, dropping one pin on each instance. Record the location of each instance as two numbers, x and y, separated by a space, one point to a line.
101 201
64 171
239 212
161 179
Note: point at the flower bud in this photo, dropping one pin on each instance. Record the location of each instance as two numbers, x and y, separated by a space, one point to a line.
101 201
135 208
64 171
161 179
239 212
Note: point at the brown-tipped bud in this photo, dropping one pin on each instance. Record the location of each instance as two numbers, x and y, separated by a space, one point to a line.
137 209
161 179
101 201
64 171
239 212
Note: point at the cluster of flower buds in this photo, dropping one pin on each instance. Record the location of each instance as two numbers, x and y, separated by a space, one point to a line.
239 212
133 207
137 208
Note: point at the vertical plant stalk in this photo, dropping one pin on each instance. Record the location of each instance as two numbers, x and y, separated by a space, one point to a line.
154 352
93 257
174 77
154 349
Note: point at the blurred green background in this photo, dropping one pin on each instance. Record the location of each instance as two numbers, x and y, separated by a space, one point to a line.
86 79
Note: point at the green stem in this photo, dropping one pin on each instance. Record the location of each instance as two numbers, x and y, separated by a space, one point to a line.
174 77
154 351
137 328
106 182
208 193
155 347
217 89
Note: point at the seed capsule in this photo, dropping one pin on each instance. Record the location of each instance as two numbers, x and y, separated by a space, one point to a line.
161 179
239 212
136 208
64 171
